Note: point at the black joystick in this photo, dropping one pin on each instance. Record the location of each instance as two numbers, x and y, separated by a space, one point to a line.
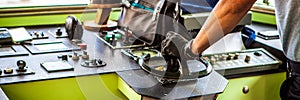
21 66
58 32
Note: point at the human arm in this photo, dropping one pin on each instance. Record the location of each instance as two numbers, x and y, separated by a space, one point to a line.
221 21
224 17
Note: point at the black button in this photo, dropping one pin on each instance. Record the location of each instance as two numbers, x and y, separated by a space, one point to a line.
64 57
58 32
100 62
257 53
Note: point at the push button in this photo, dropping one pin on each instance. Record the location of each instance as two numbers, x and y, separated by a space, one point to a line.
257 54
85 55
8 70
58 32
236 56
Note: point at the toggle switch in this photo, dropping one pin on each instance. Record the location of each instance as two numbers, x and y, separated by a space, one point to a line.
42 34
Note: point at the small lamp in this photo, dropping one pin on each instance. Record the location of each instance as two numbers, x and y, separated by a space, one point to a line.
101 21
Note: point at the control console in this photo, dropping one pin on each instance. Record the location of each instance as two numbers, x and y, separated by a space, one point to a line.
245 61
119 39
20 69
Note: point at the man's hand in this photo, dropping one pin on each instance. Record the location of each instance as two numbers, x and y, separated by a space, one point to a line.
176 51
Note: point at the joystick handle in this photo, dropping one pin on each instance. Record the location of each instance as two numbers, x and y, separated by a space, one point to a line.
21 64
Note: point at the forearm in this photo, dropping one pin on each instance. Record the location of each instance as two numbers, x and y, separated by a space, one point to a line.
224 17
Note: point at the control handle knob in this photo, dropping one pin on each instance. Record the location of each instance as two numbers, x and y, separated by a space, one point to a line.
21 64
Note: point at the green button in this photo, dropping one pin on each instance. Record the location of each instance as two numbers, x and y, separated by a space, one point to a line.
109 36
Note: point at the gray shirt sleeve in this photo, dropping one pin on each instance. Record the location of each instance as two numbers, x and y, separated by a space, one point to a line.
288 24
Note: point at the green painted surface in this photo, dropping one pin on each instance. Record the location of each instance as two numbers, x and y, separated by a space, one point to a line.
48 19
264 18
114 15
128 91
263 87
93 87
41 19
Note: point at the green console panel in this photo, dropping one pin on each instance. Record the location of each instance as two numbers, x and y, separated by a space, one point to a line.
92 87
262 87
263 18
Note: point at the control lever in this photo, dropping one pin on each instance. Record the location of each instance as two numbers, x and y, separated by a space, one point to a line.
21 66
74 28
